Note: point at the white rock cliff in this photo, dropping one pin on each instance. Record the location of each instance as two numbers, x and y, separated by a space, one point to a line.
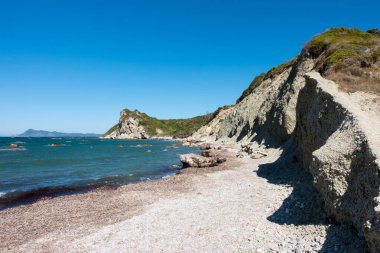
332 136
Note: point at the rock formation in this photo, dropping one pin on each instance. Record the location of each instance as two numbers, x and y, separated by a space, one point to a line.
334 134
13 145
340 146
128 128
198 161
138 125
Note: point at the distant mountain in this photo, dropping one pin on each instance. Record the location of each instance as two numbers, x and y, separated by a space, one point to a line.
42 133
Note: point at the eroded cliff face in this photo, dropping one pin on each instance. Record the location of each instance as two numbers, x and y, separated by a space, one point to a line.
267 115
332 136
338 142
127 128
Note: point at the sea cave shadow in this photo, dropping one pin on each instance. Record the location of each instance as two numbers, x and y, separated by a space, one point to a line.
304 205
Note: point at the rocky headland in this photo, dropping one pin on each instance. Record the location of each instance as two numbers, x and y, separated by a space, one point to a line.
139 125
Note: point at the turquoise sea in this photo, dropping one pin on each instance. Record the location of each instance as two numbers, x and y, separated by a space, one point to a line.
46 165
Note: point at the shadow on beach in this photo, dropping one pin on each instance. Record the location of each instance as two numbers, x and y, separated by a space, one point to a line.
304 206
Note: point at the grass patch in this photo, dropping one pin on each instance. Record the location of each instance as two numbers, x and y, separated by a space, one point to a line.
337 57
336 45
344 36
349 57
375 56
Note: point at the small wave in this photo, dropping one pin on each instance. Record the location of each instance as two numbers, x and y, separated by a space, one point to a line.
57 145
144 179
140 145
12 149
176 166
2 194
166 177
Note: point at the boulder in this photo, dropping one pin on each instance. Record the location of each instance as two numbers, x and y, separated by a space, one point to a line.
13 145
205 146
207 153
198 161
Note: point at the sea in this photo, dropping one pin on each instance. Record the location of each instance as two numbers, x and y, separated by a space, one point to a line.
40 166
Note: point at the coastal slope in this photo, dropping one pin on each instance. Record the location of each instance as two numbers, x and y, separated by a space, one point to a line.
324 104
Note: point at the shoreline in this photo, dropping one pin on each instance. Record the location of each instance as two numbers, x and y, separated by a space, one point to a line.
14 198
166 185
236 206
17 198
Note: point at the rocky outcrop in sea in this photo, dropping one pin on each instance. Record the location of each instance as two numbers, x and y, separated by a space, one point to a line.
128 128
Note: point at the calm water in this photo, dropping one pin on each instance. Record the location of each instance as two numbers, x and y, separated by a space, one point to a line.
80 162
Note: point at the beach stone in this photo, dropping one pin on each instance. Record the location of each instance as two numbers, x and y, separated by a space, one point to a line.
13 145
198 161
247 148
209 153
205 146
256 156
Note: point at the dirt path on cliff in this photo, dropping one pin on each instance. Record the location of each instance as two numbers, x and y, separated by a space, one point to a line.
244 205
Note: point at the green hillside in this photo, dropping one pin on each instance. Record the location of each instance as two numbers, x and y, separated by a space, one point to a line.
350 57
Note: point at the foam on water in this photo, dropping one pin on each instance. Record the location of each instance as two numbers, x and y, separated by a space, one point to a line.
13 149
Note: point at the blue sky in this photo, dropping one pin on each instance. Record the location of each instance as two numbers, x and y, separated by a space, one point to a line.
73 65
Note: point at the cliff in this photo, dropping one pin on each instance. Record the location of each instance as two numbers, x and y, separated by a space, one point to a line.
138 125
324 105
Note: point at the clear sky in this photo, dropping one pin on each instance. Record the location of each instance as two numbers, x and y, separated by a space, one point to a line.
71 66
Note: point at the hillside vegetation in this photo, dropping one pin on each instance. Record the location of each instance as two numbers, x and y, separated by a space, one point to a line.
350 57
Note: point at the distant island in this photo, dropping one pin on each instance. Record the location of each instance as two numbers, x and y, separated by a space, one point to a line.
42 133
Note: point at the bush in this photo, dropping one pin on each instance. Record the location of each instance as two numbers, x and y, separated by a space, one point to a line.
374 31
